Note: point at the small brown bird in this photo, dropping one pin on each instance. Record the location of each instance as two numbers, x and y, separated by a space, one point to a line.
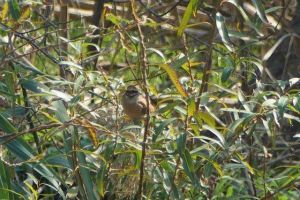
134 103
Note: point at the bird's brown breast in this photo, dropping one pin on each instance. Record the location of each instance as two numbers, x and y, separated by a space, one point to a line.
135 106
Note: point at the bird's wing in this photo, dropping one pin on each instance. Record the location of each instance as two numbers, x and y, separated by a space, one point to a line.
143 105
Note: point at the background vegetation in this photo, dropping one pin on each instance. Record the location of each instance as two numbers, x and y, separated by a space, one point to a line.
224 76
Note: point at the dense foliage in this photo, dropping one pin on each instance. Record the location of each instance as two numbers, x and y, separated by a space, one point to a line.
226 123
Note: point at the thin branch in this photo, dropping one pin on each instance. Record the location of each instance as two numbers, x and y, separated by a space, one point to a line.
144 72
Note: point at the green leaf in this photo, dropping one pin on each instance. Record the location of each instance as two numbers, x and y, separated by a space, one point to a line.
191 8
161 127
85 175
243 36
6 126
178 63
223 31
181 143
191 106
5 185
187 163
33 85
215 132
169 106
242 99
138 159
245 16
100 179
14 9
226 73
260 10
207 118
282 103
71 64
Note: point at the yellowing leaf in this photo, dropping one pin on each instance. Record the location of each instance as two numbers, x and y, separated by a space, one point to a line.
246 163
91 129
174 78
47 115
5 10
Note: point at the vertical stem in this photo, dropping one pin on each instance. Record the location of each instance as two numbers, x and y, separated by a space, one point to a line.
144 73
208 58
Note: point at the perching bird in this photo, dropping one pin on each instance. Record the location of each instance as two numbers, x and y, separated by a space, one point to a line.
134 103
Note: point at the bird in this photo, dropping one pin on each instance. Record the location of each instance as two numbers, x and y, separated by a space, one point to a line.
134 103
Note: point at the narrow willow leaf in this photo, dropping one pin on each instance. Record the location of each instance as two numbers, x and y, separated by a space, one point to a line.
207 118
5 10
169 106
226 73
138 159
100 179
191 8
214 164
92 131
245 163
85 174
33 85
223 31
14 9
274 47
215 132
245 16
5 185
260 10
71 64
31 68
243 36
183 60
282 103
6 126
181 143
161 127
242 99
187 163
174 78
248 45
191 106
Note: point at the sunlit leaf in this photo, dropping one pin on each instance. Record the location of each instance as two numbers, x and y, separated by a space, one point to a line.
191 8
260 10
223 31
174 78
101 179
282 103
